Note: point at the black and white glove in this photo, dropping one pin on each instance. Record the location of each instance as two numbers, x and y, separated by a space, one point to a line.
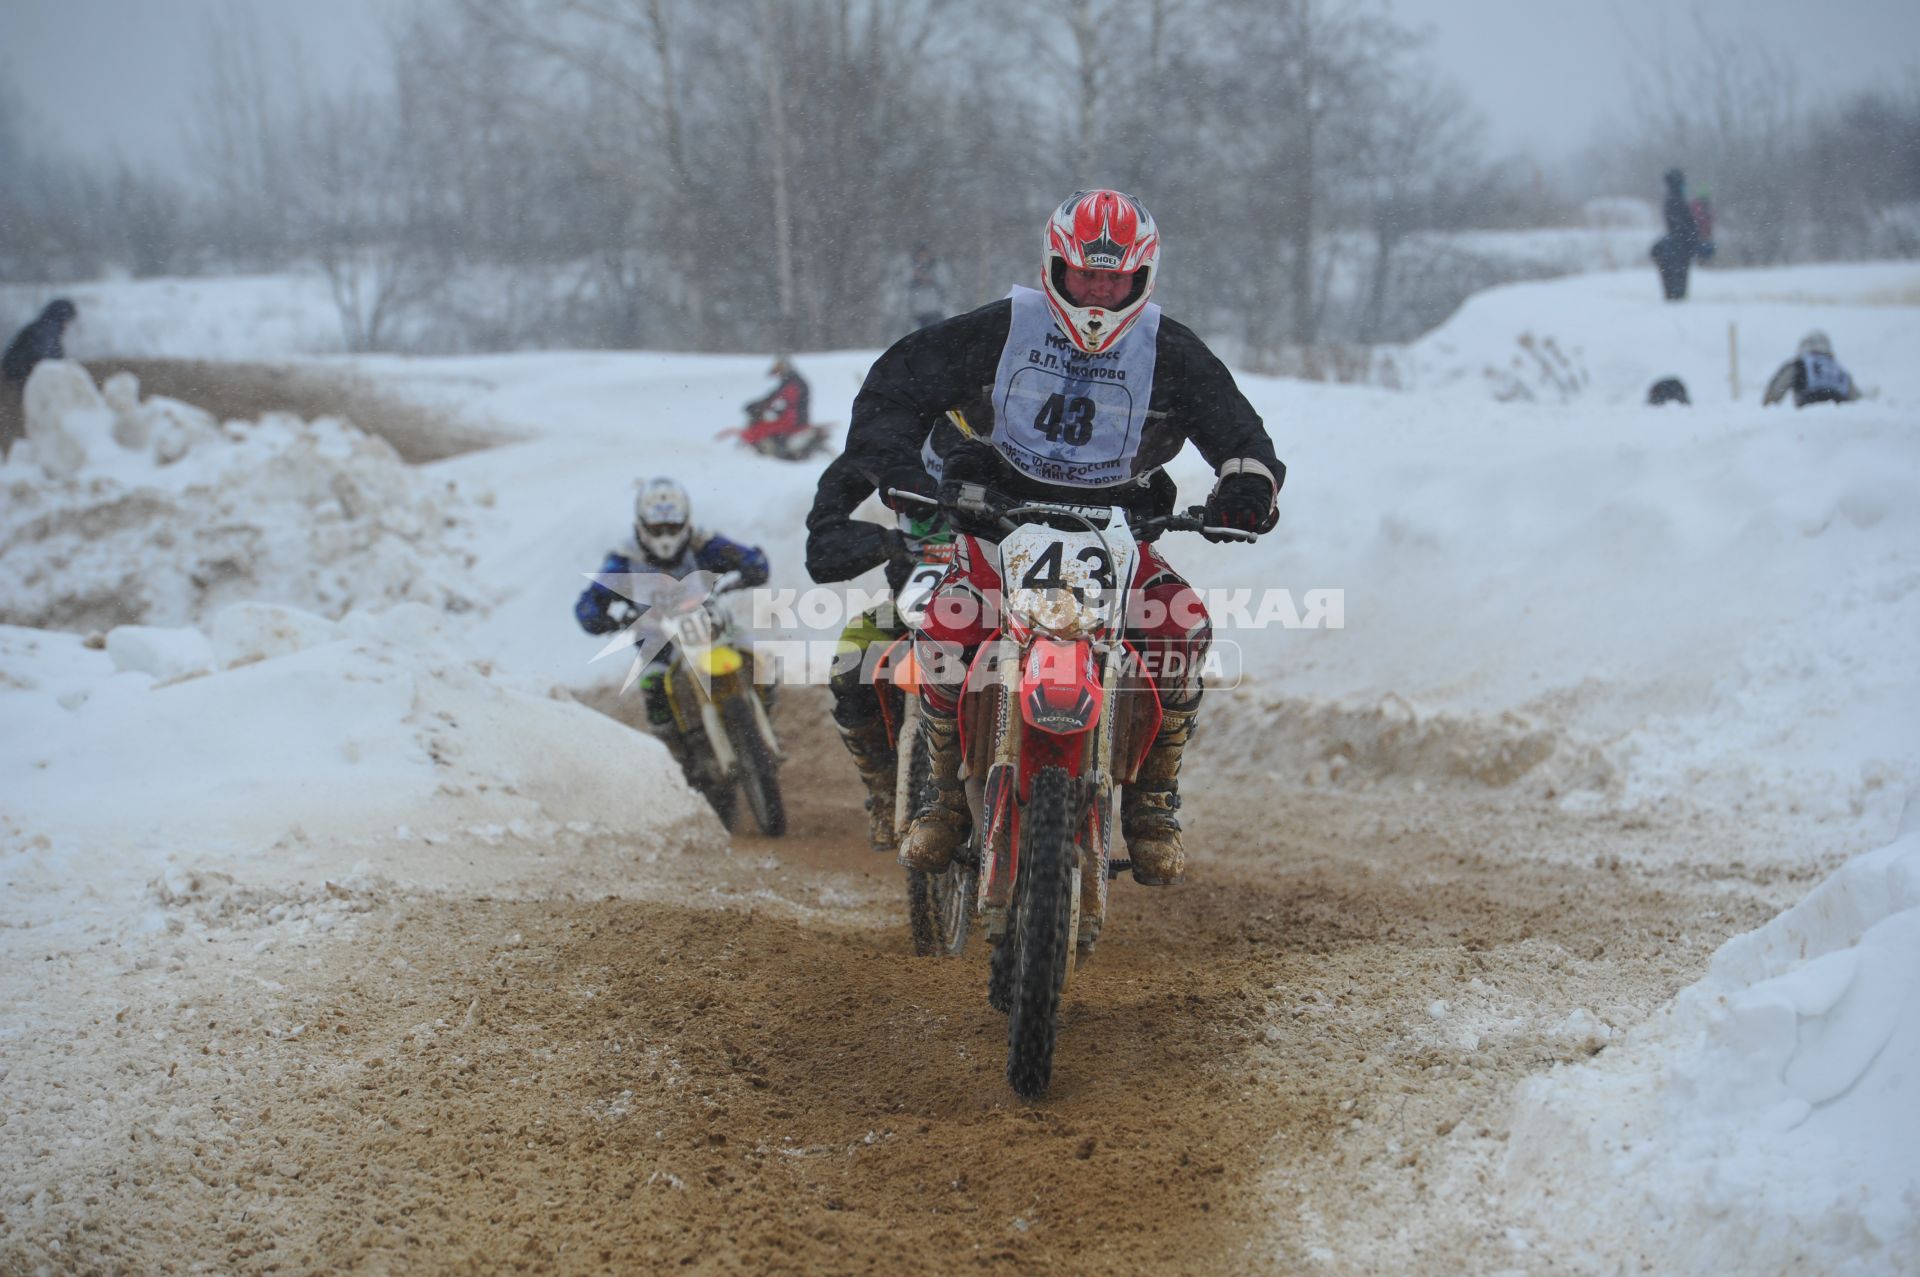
1245 499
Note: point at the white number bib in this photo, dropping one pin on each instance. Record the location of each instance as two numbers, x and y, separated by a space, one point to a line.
1824 373
1064 416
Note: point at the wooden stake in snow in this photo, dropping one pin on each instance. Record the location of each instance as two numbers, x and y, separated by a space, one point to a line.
1733 358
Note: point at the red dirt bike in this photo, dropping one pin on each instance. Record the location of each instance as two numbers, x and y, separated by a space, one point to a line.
1058 710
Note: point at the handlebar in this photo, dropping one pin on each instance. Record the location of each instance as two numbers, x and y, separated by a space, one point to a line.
626 611
1195 520
978 501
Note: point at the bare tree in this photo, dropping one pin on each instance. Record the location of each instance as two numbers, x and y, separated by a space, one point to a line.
753 173
780 148
243 136
367 214
1418 159
1720 104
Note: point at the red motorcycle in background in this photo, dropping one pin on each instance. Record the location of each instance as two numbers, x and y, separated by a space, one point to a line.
1058 710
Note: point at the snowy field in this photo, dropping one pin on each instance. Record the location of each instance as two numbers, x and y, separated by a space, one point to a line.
348 675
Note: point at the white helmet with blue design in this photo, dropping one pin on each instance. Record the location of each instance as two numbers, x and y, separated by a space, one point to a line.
662 520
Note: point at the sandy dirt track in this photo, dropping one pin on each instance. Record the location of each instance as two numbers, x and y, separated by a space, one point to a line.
739 1068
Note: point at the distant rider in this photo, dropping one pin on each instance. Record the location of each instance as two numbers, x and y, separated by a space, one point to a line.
1813 375
665 542
1082 392
779 422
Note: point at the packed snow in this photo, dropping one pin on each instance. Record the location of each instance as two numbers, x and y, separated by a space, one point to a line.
151 511
296 659
1766 1121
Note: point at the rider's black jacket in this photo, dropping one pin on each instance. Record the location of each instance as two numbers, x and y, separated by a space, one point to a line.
951 365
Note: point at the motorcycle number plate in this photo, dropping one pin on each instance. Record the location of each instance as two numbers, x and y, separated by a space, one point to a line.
917 591
1066 582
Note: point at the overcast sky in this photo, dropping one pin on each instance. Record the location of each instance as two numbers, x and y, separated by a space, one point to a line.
119 75
1546 73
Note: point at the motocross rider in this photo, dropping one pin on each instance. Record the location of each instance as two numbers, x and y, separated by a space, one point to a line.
665 542
779 419
839 548
1081 391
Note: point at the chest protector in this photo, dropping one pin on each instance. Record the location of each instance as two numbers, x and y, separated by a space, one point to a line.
1062 415
1824 376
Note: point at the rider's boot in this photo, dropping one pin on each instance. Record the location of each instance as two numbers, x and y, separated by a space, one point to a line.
873 756
939 827
1147 807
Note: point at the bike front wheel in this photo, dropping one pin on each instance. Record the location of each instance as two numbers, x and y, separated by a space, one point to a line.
1042 934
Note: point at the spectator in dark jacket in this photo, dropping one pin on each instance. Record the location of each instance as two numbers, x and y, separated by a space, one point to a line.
1674 252
37 341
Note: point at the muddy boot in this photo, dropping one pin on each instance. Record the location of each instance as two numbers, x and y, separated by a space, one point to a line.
873 756
939 826
1147 807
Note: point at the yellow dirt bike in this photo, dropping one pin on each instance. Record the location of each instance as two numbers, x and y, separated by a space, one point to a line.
723 733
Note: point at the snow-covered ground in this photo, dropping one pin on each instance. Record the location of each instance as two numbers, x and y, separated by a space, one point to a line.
1597 339
1568 597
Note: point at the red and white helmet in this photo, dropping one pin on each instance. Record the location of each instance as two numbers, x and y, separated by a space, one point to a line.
1099 230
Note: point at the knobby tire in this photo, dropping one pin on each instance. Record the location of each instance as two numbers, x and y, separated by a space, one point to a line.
1041 940
759 769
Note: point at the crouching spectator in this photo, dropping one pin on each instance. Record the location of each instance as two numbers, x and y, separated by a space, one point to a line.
1813 376
1668 390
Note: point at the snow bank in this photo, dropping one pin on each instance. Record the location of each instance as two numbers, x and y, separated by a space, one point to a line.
1607 337
301 696
1765 1122
292 747
318 515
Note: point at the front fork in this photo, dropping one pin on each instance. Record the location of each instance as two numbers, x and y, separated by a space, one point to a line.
994 800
